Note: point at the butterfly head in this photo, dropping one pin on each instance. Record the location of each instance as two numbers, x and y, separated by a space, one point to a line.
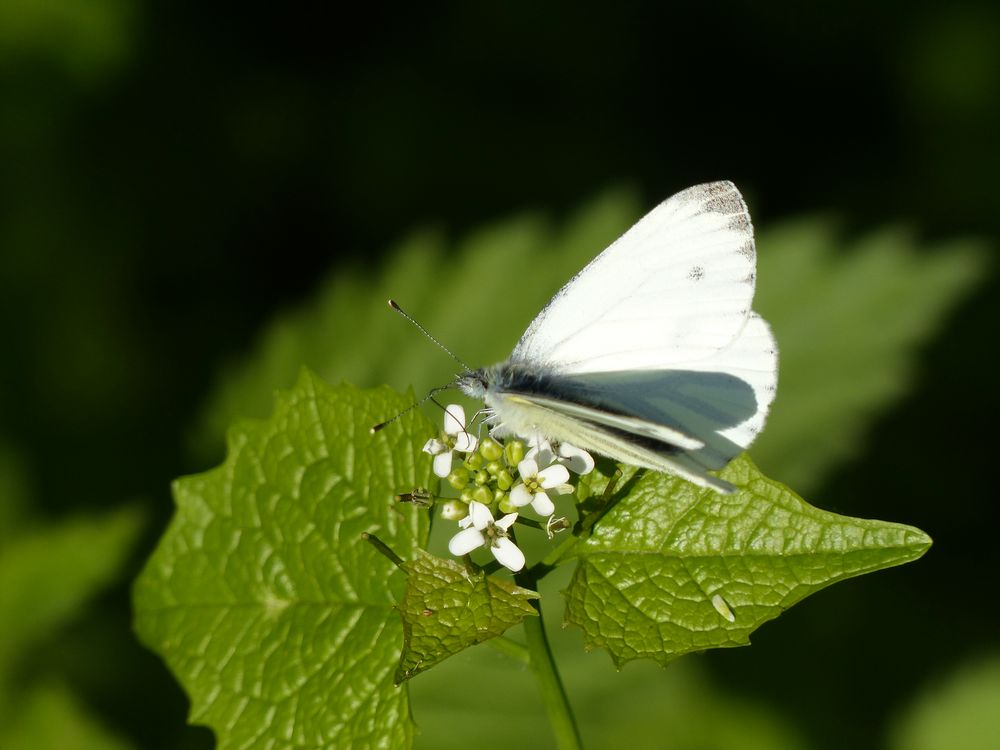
474 383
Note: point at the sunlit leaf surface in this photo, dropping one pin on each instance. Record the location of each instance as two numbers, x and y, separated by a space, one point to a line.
446 610
673 568
264 599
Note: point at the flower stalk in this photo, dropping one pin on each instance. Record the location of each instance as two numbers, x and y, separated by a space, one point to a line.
497 482
550 685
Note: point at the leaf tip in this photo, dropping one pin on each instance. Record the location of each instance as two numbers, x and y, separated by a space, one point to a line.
921 541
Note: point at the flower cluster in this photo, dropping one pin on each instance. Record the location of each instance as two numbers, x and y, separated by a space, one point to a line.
500 477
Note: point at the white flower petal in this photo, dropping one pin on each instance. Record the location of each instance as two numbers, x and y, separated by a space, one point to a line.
480 515
465 541
553 476
541 453
562 489
454 419
577 460
527 468
507 521
507 554
465 522
442 464
519 495
542 504
434 447
465 443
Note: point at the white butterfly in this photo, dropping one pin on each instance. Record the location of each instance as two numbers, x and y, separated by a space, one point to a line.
651 354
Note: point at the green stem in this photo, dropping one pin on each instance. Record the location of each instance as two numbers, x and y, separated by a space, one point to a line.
554 557
530 522
549 683
513 649
608 500
382 547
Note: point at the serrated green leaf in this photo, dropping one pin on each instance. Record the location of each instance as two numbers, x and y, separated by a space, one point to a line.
263 598
647 577
47 575
445 611
849 318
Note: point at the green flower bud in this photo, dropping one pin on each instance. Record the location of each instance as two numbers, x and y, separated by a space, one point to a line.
514 451
466 496
490 449
483 495
453 510
474 461
505 480
506 506
482 477
494 468
499 495
459 477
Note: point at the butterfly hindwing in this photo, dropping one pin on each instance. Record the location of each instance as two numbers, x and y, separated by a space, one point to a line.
614 420
722 401
524 414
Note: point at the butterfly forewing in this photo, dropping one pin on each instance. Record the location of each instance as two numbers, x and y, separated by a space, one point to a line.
676 287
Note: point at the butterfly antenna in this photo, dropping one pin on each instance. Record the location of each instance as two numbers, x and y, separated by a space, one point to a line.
395 306
411 407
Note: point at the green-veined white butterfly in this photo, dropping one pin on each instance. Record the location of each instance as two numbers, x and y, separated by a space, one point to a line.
651 355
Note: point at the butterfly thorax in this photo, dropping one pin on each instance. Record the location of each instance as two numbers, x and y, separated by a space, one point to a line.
504 377
495 385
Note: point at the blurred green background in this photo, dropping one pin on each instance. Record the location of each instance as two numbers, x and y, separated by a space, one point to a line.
197 198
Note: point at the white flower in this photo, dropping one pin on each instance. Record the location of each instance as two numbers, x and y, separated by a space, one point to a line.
455 439
479 530
575 459
535 484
